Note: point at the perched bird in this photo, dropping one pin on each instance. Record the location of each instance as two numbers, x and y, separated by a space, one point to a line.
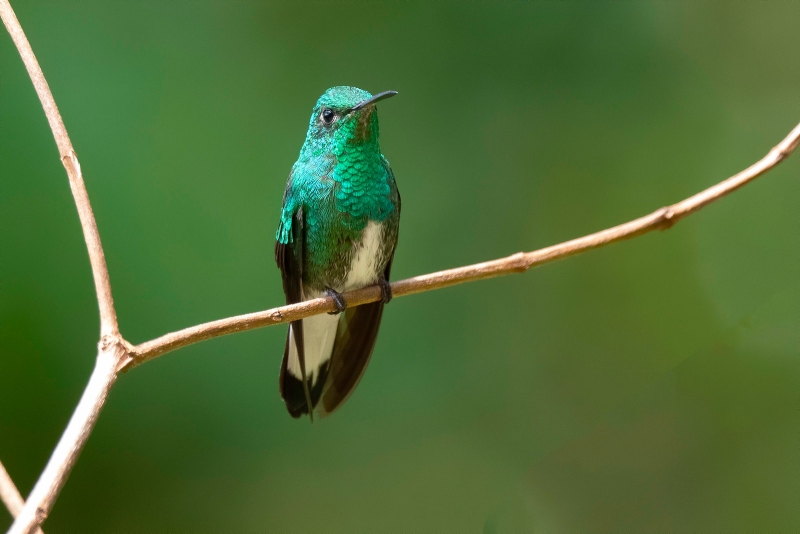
338 232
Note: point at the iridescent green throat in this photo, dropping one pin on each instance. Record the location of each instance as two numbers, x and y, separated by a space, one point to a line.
343 159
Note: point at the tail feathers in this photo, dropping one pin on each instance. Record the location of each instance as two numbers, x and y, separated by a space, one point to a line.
293 392
337 351
352 349
309 341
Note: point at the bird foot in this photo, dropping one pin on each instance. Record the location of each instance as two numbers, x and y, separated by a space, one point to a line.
338 300
386 290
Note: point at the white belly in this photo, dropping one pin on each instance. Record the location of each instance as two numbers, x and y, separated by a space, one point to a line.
365 264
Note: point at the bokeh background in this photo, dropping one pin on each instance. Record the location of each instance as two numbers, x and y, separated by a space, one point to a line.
649 386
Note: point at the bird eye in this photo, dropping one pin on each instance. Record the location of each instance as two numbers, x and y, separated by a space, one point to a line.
327 116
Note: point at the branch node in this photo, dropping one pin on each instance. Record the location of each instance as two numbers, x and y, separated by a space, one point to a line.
114 343
106 342
71 159
667 218
522 263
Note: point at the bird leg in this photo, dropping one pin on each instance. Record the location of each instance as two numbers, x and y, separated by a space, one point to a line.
338 299
386 290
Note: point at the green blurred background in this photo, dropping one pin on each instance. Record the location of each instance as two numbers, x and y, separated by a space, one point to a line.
649 386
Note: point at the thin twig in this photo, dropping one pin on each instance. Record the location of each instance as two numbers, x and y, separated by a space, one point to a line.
72 441
661 219
108 317
10 495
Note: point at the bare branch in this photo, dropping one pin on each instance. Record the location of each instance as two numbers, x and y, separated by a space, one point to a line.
112 347
661 219
108 317
10 495
72 441
69 447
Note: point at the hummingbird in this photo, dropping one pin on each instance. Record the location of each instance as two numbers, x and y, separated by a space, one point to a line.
338 232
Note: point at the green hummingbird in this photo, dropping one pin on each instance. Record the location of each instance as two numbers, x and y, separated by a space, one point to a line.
338 232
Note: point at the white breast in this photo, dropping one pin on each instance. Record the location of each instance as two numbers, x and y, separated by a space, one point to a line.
364 266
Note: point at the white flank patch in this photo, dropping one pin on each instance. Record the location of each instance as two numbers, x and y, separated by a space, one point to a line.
364 266
319 331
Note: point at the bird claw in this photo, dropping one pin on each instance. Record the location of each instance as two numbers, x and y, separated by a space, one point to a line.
386 290
338 300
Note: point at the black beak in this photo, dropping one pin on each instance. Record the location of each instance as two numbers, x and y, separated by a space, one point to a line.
375 98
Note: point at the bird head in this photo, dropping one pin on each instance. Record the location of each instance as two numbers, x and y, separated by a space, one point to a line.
343 116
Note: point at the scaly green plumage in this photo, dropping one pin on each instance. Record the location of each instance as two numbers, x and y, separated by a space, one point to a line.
342 181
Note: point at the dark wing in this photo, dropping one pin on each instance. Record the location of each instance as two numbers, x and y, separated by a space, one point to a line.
289 258
352 349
